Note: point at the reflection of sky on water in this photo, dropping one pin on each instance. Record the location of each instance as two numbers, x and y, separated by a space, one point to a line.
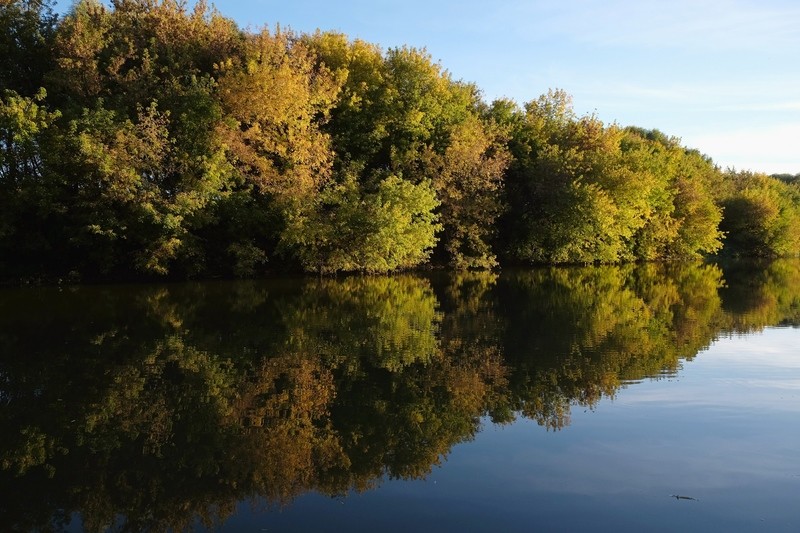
779 343
724 431
740 374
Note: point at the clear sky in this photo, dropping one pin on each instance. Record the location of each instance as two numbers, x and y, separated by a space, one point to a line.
722 75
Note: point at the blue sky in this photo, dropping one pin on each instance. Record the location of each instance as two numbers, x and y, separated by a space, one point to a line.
722 75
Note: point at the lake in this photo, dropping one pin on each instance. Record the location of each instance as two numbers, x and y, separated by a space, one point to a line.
613 398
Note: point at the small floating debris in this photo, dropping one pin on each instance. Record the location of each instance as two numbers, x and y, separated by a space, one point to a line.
679 497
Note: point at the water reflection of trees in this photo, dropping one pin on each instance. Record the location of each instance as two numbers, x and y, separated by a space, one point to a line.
152 407
759 295
576 335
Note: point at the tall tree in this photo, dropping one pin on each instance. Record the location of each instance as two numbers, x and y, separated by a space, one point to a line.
761 215
275 100
137 82
32 210
401 113
582 192
682 217
468 178
346 229
27 29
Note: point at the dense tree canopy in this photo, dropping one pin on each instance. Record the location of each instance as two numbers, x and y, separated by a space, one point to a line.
142 138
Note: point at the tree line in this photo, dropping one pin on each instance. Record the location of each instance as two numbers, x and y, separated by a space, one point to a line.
145 139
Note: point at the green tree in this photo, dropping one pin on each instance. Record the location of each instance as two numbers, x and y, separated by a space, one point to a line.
580 191
572 199
468 179
400 111
31 208
136 83
27 30
347 230
762 216
681 217
194 138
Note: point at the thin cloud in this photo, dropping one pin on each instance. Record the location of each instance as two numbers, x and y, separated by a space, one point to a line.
763 107
724 24
771 149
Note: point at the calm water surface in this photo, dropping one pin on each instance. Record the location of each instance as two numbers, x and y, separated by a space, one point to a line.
658 398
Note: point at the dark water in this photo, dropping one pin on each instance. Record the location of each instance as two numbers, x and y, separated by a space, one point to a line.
640 398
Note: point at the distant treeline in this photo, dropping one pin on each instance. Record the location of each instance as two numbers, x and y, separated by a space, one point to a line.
143 139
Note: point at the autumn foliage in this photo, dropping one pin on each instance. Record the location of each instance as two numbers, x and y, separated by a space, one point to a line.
146 139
